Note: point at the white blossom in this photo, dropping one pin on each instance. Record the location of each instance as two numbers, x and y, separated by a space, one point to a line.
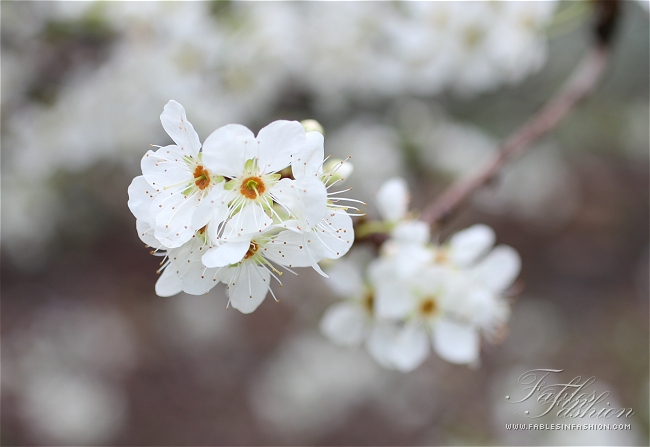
348 323
177 179
421 295
221 213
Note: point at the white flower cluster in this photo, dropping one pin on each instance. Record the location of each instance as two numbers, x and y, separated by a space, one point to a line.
231 61
472 47
221 211
425 48
417 295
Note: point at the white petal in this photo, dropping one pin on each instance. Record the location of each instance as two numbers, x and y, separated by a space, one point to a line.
392 199
140 197
173 224
284 192
309 160
432 280
299 202
415 232
335 233
277 143
248 289
346 279
466 246
290 249
226 150
393 298
175 123
168 283
312 197
498 269
145 233
199 280
225 254
188 256
344 324
410 347
165 168
484 309
247 223
380 343
455 342
212 208
218 220
411 259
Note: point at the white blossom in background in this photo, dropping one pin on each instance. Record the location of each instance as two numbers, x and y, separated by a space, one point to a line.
539 188
245 54
72 408
235 61
374 150
234 64
63 367
349 322
419 295
470 47
309 386
221 212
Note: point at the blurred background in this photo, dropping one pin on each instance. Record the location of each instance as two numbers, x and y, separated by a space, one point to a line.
90 355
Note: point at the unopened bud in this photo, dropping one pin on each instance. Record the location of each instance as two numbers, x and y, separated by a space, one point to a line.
312 125
337 169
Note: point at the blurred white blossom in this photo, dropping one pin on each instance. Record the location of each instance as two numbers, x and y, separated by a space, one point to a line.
234 62
419 295
72 409
63 366
309 387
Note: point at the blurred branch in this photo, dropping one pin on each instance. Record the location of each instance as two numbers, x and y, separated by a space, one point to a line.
579 85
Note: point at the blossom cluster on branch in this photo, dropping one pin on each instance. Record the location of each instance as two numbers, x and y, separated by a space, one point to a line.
418 294
222 211
239 207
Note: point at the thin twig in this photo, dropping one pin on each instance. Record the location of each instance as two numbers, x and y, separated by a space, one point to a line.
582 82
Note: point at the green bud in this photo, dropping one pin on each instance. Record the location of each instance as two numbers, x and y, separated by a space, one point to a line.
251 165
336 169
312 125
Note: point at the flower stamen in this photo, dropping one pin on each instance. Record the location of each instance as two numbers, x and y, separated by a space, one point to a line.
252 249
369 302
252 187
202 177
428 307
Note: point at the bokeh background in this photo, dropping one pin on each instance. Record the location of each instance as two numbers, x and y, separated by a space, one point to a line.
90 355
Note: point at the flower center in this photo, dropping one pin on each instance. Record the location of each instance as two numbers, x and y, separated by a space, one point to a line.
201 177
428 307
473 36
369 302
252 187
251 250
441 256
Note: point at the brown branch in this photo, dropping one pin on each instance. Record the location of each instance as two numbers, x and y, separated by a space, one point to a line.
582 82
